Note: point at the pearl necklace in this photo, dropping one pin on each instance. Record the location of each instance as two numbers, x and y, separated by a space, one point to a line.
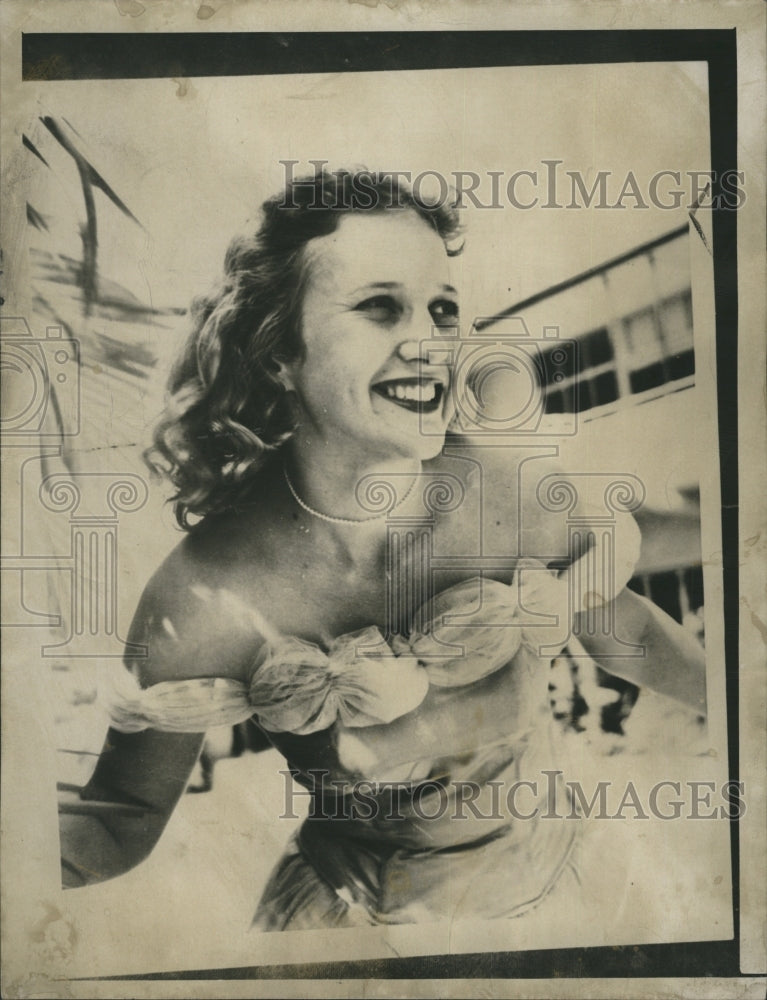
357 521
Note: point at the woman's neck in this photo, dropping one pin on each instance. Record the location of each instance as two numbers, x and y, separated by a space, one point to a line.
348 494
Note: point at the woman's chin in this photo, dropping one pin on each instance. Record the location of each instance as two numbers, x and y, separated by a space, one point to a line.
422 447
420 444
431 447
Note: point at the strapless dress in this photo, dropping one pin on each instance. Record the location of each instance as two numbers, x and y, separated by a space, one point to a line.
410 747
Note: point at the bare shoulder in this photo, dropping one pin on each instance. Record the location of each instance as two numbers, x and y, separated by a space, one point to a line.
508 472
528 492
510 477
194 618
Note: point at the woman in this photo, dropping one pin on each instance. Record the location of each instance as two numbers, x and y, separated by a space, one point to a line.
383 596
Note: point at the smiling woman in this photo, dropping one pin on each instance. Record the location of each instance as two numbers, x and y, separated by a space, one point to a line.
229 407
382 596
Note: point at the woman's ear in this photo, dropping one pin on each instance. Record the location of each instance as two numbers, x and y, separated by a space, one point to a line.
283 373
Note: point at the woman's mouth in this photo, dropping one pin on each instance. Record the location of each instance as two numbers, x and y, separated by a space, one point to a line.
414 394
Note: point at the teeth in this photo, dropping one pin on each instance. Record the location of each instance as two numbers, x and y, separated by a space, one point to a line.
417 393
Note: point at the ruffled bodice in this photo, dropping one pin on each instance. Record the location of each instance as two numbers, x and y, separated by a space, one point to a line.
467 633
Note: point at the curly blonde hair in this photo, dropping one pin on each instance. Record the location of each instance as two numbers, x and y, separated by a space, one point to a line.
227 410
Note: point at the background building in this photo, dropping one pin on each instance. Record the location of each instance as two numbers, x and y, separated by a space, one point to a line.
628 379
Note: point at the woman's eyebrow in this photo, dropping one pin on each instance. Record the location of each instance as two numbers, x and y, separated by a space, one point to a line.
378 284
397 284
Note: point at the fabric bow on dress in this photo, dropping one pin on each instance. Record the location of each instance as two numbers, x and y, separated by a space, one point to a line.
461 636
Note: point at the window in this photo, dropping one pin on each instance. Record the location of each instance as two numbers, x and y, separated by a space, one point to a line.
588 380
644 350
658 342
679 592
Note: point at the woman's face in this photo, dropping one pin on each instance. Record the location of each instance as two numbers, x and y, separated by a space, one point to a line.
373 377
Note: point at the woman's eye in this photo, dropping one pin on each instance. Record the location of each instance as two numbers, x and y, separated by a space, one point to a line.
379 308
444 312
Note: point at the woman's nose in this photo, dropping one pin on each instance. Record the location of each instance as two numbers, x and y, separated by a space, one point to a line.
423 340
412 350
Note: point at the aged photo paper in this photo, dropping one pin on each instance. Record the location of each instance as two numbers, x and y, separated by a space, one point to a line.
605 162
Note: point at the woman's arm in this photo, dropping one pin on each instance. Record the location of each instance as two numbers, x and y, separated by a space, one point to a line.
125 806
670 660
188 631
592 590
627 635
